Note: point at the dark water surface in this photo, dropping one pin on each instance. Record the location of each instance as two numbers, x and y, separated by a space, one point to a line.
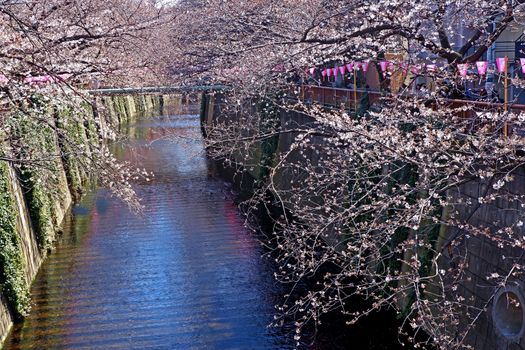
184 275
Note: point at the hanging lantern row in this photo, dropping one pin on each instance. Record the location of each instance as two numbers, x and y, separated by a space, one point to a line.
385 66
482 66
349 67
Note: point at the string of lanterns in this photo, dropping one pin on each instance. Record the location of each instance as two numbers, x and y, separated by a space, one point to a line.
417 69
386 66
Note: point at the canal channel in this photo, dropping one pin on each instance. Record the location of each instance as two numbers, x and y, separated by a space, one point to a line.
184 274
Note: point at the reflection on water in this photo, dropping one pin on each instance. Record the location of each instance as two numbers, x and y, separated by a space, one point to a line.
184 275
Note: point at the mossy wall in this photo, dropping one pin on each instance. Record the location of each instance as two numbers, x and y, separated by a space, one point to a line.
12 263
31 215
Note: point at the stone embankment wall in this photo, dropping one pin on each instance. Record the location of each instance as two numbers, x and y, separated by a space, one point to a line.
492 281
500 327
214 110
31 216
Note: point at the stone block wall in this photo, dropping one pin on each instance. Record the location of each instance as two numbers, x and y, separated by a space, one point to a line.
488 278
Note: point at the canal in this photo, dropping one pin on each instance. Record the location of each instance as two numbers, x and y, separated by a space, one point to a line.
185 274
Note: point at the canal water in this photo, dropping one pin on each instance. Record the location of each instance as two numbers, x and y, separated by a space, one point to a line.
185 274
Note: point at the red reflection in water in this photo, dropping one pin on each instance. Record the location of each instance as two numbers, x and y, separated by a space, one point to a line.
244 243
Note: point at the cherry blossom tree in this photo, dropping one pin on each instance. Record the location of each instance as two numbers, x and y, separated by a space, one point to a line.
382 206
244 41
50 52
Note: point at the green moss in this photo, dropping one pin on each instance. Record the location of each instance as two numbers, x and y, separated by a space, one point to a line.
116 107
91 129
130 103
111 115
140 104
120 109
152 100
75 137
156 101
12 280
39 204
125 108
38 184
143 103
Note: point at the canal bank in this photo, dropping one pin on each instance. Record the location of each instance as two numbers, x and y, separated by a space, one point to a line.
31 216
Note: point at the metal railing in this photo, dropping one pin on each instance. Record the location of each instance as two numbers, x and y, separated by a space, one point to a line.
346 98
337 97
466 109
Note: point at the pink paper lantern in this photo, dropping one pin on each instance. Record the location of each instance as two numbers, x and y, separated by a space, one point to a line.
324 73
416 69
385 65
342 70
41 79
501 64
334 71
364 65
482 67
349 67
312 71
